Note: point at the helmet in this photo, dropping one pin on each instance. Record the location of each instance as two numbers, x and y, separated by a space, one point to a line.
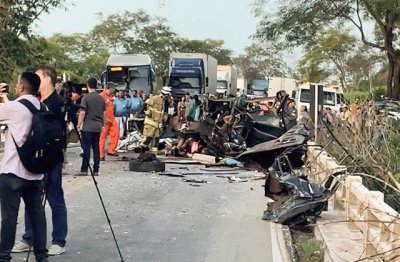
166 90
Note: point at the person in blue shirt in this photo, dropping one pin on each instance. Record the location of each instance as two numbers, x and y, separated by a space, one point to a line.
121 105
136 103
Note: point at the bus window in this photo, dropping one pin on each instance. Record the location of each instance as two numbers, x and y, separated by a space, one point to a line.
305 95
329 98
341 99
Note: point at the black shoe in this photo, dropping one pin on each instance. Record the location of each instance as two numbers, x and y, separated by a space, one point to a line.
110 154
102 159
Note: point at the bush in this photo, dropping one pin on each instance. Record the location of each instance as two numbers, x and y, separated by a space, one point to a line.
376 94
310 250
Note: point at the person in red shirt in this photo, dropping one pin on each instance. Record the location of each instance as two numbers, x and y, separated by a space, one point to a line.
111 125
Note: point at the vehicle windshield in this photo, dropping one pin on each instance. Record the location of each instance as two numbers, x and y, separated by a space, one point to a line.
186 82
222 85
329 97
117 77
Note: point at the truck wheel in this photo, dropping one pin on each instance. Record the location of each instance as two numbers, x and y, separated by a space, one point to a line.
151 166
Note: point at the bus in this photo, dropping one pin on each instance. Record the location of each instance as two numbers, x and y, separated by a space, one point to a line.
333 96
130 71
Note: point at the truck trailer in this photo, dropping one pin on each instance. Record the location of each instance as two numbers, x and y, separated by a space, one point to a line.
241 86
277 84
227 80
193 73
130 71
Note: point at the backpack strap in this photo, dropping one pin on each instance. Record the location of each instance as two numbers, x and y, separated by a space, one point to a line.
30 106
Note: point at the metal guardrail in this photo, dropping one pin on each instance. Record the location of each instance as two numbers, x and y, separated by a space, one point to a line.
365 210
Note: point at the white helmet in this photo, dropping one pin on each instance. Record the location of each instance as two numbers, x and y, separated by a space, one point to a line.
166 90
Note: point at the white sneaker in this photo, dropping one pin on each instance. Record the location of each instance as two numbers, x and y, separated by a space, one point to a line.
55 250
21 247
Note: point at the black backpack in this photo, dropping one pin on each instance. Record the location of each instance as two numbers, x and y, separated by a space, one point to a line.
43 148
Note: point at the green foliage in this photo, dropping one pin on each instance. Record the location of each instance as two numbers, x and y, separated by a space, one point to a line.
310 250
376 94
260 61
138 32
16 18
329 49
297 23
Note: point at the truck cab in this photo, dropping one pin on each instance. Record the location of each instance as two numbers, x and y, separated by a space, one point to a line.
227 80
259 87
130 71
192 73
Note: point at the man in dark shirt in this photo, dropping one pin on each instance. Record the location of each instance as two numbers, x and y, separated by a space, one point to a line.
91 122
53 184
290 115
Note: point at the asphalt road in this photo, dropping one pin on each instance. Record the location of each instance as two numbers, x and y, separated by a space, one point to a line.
159 218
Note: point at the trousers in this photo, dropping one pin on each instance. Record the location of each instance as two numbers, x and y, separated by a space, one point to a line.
55 198
12 189
112 130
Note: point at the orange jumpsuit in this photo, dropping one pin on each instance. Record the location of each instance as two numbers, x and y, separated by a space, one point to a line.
110 128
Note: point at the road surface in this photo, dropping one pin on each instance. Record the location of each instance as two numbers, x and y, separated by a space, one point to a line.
160 218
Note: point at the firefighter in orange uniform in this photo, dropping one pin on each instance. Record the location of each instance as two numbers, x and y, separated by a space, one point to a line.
110 123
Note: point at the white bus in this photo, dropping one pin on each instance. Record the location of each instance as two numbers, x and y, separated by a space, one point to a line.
333 96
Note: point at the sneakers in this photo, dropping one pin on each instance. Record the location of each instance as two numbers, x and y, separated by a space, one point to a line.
55 250
81 173
21 247
112 154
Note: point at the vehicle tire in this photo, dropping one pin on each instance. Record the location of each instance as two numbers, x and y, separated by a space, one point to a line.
151 166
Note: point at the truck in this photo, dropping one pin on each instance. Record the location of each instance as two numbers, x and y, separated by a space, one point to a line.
130 71
277 84
227 80
241 86
193 73
259 87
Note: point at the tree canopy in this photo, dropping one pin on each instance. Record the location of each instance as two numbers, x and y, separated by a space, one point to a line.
16 18
297 22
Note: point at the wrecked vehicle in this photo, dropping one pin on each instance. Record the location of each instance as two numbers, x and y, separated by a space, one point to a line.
230 129
297 201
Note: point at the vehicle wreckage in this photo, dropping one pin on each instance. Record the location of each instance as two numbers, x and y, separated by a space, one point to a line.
261 141
297 201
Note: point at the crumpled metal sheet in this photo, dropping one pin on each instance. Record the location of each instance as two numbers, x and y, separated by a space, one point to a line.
296 136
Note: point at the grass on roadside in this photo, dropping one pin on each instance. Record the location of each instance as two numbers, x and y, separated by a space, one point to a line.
308 248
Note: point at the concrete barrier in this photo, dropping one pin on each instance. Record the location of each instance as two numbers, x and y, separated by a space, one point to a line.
364 210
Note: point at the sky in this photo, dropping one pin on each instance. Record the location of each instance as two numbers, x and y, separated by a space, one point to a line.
229 20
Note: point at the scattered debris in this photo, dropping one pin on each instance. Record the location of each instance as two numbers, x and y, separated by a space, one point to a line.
195 181
204 159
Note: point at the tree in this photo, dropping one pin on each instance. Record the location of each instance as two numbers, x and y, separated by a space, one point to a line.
361 65
260 61
312 72
298 22
331 47
16 18
212 47
138 32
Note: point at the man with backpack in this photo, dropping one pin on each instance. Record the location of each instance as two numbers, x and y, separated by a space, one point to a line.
53 179
16 181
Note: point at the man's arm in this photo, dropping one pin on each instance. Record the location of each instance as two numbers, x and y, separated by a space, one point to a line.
81 118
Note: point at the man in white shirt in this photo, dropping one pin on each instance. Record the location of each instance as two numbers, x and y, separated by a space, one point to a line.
15 181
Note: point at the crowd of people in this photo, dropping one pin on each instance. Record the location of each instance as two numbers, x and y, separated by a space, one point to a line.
96 116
